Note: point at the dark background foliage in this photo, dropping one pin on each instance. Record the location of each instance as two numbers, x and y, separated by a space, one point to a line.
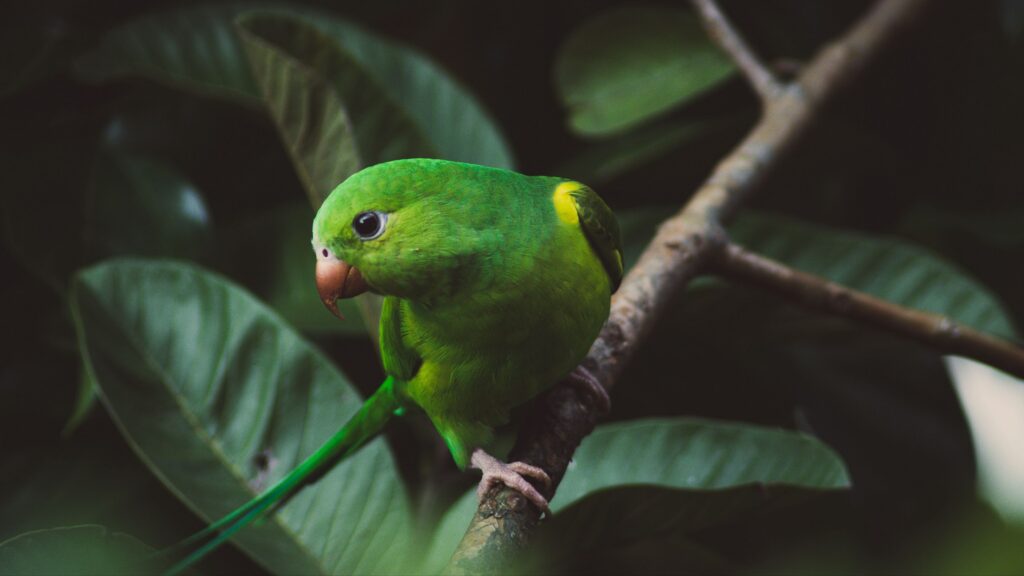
924 151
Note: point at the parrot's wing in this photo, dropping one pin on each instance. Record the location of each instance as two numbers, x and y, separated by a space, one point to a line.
399 360
602 231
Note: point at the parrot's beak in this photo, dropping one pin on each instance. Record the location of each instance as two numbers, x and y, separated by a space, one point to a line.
336 279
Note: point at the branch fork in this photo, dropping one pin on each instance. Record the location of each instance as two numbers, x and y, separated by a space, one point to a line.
693 242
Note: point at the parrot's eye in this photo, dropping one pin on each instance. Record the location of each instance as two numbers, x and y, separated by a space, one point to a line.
369 225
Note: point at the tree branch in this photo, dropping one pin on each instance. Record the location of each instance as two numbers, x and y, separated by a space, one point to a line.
729 39
808 290
682 248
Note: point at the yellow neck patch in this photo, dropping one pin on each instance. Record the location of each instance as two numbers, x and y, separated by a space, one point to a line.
565 206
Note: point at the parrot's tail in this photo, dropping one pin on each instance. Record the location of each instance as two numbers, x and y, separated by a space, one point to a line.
363 426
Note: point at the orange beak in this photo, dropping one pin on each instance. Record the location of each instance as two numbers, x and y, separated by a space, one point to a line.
336 279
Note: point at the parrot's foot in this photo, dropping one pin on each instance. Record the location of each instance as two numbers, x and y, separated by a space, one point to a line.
511 475
582 379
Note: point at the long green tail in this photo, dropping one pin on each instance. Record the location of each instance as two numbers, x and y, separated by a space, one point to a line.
363 426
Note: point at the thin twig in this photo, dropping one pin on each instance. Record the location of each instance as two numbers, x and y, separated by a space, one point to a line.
681 249
729 39
808 290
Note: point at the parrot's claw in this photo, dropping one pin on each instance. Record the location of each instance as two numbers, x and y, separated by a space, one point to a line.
581 378
511 475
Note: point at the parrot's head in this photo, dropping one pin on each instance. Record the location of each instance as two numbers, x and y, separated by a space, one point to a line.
404 228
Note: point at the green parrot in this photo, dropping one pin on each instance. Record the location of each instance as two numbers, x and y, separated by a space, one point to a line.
495 286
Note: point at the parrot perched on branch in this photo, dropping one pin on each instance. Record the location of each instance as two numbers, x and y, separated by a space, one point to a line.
495 285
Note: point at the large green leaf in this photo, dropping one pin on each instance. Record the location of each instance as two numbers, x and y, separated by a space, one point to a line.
697 454
633 480
312 87
221 398
884 267
633 62
453 120
193 49
198 49
71 550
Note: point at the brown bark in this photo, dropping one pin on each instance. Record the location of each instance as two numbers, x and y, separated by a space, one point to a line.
683 247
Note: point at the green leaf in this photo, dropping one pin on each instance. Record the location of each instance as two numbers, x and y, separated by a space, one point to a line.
884 267
606 160
198 49
309 82
451 117
699 454
631 480
193 49
144 207
71 550
633 62
997 228
221 398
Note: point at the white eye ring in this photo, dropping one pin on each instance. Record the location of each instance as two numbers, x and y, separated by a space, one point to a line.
370 224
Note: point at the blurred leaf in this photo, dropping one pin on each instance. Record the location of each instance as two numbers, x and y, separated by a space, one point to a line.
973 542
888 406
994 404
217 427
309 82
193 49
633 480
85 400
612 158
271 253
884 267
71 550
116 203
49 478
697 454
197 49
994 227
884 403
633 62
449 115
144 207
889 268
